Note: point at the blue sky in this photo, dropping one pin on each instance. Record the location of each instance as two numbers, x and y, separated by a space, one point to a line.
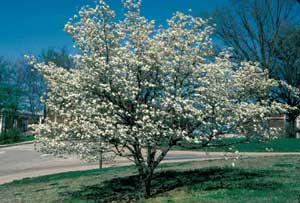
28 26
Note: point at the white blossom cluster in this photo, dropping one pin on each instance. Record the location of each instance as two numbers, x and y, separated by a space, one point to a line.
140 86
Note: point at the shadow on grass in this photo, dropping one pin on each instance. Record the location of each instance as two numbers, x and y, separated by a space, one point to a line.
69 175
128 189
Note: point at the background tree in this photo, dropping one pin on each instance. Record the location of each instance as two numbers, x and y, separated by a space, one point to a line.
9 93
21 86
253 28
32 85
139 90
60 57
31 82
287 71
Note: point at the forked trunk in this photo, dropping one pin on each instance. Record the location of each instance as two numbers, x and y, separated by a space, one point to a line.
146 180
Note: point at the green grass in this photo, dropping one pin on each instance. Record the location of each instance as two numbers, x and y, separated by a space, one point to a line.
14 135
267 179
275 145
27 138
21 138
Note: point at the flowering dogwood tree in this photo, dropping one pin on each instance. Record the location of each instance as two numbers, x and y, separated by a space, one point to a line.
138 89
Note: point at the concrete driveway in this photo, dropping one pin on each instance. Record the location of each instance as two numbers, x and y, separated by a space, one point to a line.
18 162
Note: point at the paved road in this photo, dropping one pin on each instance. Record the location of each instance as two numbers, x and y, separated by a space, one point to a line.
23 161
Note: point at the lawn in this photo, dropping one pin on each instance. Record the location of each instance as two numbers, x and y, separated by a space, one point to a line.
14 135
274 145
266 179
19 139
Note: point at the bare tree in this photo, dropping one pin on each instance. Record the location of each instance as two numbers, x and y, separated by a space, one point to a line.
287 71
9 93
255 29
59 57
252 26
32 84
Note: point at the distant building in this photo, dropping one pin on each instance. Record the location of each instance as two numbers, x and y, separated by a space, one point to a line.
18 119
279 121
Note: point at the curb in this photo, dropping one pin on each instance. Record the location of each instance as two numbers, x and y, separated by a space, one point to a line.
17 144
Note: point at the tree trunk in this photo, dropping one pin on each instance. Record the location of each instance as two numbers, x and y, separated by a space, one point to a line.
291 128
147 185
145 180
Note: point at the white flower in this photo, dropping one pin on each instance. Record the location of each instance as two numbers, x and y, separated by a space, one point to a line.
137 85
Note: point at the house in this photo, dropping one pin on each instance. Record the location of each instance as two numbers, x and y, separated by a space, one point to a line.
18 119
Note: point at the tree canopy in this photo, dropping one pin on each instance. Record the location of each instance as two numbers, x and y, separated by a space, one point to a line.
138 89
